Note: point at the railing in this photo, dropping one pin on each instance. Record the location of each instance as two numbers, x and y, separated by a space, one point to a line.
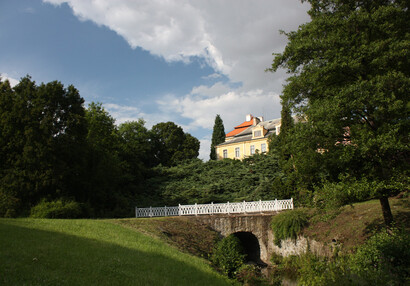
220 208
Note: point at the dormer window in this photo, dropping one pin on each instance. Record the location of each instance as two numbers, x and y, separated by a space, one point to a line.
257 133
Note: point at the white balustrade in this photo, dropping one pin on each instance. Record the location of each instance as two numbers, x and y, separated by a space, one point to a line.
220 208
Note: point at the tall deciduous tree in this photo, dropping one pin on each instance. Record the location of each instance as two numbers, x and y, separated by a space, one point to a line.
350 71
43 132
171 145
218 136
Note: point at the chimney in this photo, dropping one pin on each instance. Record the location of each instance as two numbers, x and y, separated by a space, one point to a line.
256 120
248 117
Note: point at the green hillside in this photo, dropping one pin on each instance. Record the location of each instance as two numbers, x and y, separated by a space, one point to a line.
90 252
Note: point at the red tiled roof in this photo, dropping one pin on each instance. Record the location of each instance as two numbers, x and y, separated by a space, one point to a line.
241 127
235 131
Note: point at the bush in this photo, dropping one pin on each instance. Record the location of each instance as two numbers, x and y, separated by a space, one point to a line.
332 195
250 275
288 224
8 205
229 255
384 259
56 209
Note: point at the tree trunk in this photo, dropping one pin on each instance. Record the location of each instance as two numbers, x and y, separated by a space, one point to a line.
387 214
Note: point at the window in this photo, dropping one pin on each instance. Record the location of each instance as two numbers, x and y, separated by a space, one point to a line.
237 152
263 147
252 149
225 154
257 133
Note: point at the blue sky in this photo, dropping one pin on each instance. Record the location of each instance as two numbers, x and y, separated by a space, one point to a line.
177 60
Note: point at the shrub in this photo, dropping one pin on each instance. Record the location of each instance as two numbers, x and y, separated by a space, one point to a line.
384 259
8 204
288 224
229 255
332 195
250 275
56 209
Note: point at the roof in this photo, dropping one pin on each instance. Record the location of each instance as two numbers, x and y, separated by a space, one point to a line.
241 127
244 133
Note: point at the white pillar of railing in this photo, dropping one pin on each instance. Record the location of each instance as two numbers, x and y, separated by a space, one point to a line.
136 212
150 211
165 211
179 209
260 206
196 209
291 203
228 208
244 207
212 208
276 205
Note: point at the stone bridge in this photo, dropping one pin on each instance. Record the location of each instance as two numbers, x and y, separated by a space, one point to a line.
257 237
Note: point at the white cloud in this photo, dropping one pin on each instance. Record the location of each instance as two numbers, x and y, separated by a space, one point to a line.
123 113
232 106
236 37
13 81
205 148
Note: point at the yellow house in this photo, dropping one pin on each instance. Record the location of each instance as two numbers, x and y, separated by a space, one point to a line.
248 138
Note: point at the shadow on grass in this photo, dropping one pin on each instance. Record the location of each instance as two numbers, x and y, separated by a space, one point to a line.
30 256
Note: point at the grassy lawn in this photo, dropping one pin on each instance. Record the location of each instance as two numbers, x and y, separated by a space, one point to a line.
93 252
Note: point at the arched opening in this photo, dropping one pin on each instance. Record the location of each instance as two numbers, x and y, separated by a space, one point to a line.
251 246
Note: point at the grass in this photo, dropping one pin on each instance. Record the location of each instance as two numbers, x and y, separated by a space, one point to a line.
93 252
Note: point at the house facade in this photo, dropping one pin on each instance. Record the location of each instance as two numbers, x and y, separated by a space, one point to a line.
248 138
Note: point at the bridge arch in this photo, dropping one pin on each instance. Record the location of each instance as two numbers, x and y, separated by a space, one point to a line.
251 246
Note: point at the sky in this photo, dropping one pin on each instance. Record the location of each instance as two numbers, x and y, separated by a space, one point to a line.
160 60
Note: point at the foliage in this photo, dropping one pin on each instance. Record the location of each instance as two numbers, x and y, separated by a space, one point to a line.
172 145
56 209
42 142
250 275
384 259
288 224
218 136
229 255
350 72
214 181
332 195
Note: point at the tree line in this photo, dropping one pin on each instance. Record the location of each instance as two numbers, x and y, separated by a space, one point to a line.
53 148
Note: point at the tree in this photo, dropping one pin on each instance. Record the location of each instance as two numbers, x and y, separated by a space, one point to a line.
218 136
171 145
43 133
349 71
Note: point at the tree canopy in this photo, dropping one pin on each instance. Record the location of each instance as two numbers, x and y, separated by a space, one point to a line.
349 76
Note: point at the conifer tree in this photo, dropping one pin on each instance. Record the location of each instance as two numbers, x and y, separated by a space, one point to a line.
218 136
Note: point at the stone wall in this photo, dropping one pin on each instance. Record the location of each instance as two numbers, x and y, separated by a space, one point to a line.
260 226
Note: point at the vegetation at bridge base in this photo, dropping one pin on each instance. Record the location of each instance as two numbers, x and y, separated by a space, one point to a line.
289 224
229 255
382 260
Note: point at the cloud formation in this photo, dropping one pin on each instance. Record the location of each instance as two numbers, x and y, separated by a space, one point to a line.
235 37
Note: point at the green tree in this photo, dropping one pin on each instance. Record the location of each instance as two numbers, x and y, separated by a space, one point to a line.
218 136
171 145
43 133
349 70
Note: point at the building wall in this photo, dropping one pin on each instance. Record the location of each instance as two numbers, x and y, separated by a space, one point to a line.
244 148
